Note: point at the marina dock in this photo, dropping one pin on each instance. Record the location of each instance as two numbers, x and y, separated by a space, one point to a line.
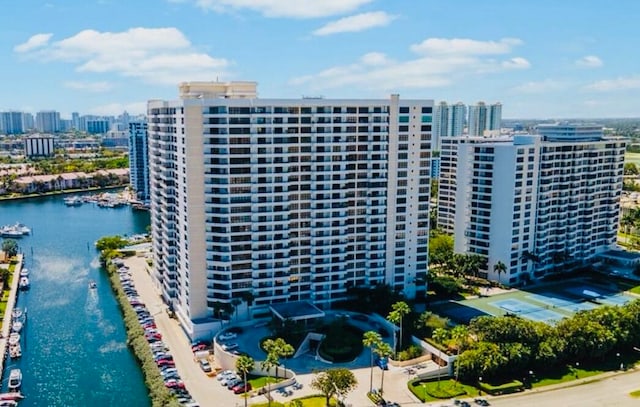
11 303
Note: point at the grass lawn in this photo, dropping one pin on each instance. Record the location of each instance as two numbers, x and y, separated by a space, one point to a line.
310 401
632 158
444 389
261 381
566 376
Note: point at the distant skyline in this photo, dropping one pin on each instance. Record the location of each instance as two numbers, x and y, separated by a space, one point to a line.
539 58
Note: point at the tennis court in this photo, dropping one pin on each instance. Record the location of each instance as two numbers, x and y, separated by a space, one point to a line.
548 303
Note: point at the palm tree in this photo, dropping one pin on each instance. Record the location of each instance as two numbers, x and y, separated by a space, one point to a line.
236 302
399 310
284 350
441 336
248 297
244 364
500 268
383 350
460 335
267 364
371 339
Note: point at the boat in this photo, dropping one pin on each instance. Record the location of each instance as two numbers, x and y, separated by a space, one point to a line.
10 232
14 395
15 351
14 231
24 272
92 284
15 379
16 326
24 283
8 403
16 313
22 228
73 201
14 338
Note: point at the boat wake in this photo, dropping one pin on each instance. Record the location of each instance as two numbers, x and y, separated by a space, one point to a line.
61 270
94 313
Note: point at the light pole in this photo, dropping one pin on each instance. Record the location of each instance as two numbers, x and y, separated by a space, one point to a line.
619 360
480 385
424 391
577 367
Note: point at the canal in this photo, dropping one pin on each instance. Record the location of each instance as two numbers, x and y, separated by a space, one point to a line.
74 349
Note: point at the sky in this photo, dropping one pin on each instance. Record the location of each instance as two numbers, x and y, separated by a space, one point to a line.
541 59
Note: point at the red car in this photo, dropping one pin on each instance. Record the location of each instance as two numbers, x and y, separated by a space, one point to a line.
241 388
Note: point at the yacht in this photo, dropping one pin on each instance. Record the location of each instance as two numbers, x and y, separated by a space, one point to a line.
92 284
24 283
73 201
11 232
22 228
24 272
15 351
16 326
14 339
15 379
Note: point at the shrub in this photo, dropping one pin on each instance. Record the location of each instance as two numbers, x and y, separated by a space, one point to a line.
504 388
411 352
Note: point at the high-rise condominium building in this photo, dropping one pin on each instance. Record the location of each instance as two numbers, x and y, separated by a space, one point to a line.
11 123
483 117
139 160
448 121
48 121
538 203
285 199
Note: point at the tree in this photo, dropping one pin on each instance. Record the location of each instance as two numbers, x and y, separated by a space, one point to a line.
248 297
334 382
244 364
270 362
440 249
236 302
278 348
399 310
383 350
631 169
10 247
460 336
371 339
500 268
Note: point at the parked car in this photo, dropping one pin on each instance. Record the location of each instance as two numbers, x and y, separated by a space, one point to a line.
205 365
482 402
227 336
233 382
225 374
230 346
241 388
382 363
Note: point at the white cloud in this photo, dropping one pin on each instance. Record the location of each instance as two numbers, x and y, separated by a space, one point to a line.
465 46
545 86
516 63
114 109
285 8
434 66
589 61
95 87
155 55
356 23
620 83
36 41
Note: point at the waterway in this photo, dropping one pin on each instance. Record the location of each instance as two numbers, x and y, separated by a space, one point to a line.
74 341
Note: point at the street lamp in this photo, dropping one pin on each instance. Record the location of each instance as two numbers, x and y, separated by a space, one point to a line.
577 367
619 360
424 391
479 385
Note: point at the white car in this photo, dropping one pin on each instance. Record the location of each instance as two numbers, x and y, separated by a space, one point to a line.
227 336
229 379
225 374
229 346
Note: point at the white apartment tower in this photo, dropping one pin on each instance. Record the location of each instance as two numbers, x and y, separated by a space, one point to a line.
286 199
483 117
48 121
139 160
538 204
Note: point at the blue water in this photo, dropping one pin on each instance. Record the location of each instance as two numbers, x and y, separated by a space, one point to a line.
74 341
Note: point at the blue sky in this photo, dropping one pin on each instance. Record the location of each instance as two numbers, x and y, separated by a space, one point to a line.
539 58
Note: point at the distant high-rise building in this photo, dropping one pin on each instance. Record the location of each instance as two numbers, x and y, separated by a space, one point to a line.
75 120
483 117
28 122
48 121
448 121
139 160
285 199
99 126
11 123
538 204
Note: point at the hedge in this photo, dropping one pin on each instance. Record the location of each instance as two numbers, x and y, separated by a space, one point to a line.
505 388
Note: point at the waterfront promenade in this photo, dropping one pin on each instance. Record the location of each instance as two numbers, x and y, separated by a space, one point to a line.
11 303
